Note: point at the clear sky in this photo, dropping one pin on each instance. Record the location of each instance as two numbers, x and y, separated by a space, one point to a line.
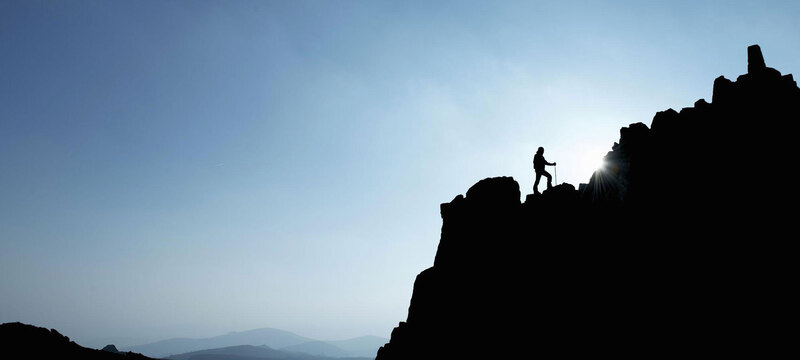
176 168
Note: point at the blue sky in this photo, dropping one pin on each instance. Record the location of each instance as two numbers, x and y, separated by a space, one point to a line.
175 168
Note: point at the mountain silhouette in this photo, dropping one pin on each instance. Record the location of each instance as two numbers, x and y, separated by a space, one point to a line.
240 351
679 246
365 346
111 348
18 340
319 348
273 338
243 352
362 346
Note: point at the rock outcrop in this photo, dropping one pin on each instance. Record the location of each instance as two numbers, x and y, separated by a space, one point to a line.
22 341
111 348
680 246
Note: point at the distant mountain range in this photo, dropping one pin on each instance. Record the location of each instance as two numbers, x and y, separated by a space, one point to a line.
365 346
361 346
249 352
22 340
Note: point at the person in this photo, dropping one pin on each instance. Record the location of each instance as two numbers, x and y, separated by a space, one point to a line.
538 166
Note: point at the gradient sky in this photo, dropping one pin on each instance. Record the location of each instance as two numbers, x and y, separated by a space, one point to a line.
176 168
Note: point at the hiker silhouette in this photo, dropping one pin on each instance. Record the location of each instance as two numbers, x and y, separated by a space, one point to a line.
538 166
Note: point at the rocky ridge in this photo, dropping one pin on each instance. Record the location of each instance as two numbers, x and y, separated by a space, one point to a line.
22 341
668 250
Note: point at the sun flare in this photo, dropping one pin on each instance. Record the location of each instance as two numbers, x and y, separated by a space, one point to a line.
592 160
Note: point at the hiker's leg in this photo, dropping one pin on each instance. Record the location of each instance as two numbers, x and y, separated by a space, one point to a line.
549 179
536 183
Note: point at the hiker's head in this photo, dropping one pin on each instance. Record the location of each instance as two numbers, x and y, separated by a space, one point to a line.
540 151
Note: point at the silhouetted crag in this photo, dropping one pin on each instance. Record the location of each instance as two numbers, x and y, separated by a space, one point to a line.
680 246
21 341
111 348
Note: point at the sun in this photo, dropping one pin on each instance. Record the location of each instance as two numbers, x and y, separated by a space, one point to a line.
591 160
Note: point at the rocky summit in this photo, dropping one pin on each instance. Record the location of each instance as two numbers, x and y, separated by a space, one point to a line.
681 245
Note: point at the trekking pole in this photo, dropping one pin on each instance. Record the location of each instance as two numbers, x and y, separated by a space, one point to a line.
555 172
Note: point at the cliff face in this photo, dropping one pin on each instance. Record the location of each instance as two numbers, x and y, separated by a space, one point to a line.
681 245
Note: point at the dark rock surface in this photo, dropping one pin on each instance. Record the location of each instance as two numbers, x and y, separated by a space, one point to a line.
680 246
22 341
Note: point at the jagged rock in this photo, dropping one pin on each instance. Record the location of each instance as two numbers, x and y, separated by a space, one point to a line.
663 119
111 348
755 60
702 103
722 87
498 191
562 196
758 74
665 251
